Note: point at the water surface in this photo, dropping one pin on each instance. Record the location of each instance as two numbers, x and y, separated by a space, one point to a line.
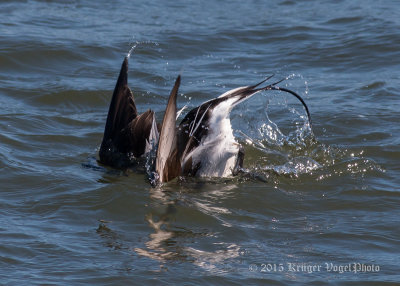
308 205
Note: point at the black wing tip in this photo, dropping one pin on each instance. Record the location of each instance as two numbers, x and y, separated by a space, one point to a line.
125 65
123 74
178 80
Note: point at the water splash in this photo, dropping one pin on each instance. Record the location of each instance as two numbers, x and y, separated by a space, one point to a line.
289 147
257 128
150 163
140 43
296 166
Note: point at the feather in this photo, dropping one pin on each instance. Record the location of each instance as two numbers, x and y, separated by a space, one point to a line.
167 163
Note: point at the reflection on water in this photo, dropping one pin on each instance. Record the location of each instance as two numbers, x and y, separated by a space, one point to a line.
157 246
167 242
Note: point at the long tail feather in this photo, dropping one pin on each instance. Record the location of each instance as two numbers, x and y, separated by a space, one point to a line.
274 87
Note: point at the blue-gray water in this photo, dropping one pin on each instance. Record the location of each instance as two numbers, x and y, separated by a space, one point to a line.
306 204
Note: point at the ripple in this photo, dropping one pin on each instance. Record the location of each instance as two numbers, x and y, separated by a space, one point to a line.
303 197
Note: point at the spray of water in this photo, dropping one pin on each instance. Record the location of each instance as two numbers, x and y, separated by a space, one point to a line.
273 152
140 43
150 163
271 148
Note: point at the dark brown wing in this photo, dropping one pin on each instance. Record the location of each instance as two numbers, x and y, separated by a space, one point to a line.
167 162
125 133
122 107
135 138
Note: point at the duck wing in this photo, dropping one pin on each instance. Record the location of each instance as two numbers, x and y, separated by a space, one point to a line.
122 107
167 160
126 133
139 135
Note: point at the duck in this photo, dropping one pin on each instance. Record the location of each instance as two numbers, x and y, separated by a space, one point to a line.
203 144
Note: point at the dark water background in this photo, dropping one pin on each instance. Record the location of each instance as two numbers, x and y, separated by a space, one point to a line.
65 219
